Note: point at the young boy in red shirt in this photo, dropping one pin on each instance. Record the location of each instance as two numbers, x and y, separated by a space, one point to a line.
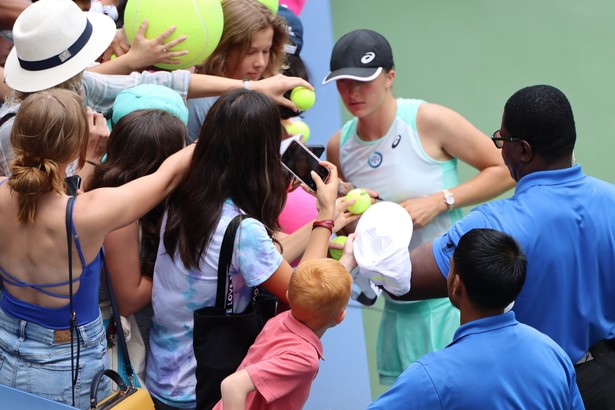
279 368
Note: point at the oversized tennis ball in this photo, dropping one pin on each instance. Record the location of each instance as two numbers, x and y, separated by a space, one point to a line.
337 253
299 128
304 98
271 5
362 200
201 21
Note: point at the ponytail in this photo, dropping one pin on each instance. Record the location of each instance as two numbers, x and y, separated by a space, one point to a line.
50 131
30 179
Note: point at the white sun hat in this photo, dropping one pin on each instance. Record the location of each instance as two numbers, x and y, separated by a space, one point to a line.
381 247
54 41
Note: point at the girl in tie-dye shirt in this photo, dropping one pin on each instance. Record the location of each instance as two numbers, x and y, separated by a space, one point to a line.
236 169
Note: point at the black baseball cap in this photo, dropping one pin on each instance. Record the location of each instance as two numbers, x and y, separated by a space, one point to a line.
359 55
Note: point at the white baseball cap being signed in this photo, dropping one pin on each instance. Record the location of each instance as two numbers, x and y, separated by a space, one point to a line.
381 246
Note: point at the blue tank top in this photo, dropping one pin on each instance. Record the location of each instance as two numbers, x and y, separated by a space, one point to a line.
85 300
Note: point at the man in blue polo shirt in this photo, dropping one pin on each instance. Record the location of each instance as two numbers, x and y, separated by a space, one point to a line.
494 362
565 222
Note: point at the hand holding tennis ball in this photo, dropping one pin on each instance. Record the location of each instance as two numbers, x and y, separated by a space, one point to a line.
362 201
201 21
304 98
337 253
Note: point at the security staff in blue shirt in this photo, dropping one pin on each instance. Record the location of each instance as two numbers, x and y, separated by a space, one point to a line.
565 222
494 362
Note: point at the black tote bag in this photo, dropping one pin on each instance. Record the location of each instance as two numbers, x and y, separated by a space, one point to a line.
222 338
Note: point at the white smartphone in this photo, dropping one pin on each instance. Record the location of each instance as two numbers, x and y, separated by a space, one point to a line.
300 161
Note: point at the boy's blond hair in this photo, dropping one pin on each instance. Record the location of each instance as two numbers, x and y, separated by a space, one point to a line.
319 291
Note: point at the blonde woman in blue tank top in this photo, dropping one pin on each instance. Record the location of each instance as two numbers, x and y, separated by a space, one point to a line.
407 152
52 130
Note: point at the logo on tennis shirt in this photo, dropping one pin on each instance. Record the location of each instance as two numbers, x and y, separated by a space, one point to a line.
375 159
396 141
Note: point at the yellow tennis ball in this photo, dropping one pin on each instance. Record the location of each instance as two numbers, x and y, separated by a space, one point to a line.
271 5
299 128
304 98
337 253
362 201
201 21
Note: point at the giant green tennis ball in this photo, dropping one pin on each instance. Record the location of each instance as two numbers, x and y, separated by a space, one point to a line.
304 98
362 200
201 21
271 5
337 253
299 128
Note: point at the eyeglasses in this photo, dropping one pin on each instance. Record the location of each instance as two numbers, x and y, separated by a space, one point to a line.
498 140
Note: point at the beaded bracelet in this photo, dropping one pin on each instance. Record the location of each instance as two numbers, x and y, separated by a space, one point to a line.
325 223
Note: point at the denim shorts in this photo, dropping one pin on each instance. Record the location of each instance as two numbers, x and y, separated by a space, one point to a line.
37 360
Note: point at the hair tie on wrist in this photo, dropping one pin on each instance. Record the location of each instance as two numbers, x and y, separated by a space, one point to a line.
325 223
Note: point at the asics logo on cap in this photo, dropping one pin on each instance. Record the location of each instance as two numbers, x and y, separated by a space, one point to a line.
368 57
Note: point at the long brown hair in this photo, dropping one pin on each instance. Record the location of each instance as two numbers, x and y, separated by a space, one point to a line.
237 157
50 128
138 144
242 20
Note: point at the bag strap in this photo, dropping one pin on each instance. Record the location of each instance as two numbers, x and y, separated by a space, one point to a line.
224 294
73 316
113 375
121 338
7 117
